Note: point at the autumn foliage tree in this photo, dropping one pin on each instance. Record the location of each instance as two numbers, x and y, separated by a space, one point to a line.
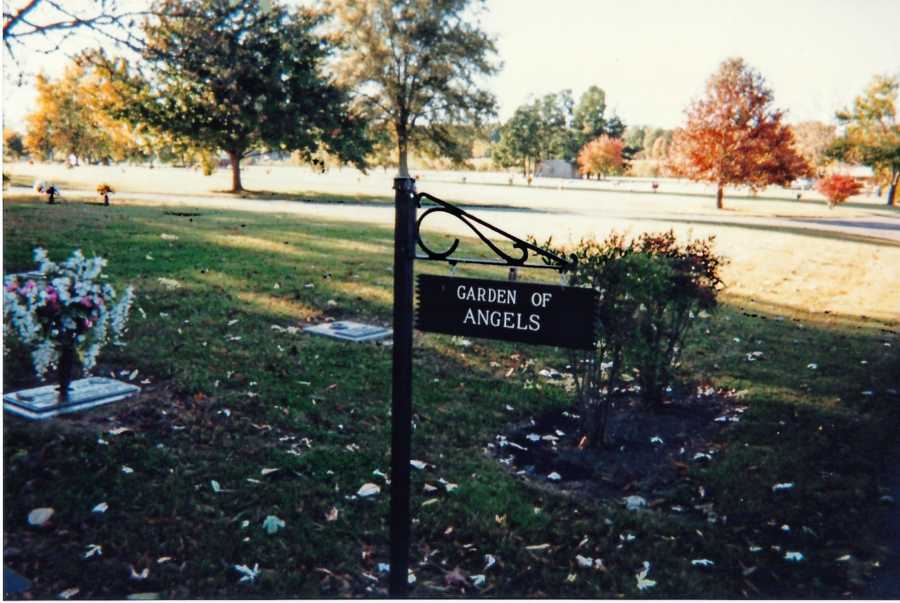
838 187
733 135
872 133
69 119
601 157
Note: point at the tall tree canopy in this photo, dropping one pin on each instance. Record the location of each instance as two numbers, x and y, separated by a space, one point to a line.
417 64
734 136
602 157
813 139
242 76
872 133
69 119
520 140
554 127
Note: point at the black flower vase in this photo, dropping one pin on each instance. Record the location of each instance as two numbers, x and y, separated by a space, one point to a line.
64 372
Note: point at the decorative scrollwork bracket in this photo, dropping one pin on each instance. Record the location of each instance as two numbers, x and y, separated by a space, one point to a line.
475 224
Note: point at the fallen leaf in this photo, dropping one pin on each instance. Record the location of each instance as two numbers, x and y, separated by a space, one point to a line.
633 503
332 515
118 430
793 556
101 508
127 470
784 486
455 578
587 562
267 470
271 524
248 575
93 549
368 489
538 547
69 593
554 476
215 486
430 501
642 582
489 562
417 464
38 517
702 562
139 576
477 580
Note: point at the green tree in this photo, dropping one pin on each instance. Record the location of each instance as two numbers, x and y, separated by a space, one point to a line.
242 76
13 145
417 65
519 143
872 134
589 120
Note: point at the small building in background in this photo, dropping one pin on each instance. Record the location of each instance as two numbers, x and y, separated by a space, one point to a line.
555 168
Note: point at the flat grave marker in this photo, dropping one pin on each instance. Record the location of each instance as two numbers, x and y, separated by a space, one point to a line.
90 392
348 330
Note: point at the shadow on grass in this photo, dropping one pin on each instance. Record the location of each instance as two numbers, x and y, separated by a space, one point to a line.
359 199
812 428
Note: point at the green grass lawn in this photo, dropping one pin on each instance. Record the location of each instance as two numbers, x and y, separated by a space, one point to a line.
229 398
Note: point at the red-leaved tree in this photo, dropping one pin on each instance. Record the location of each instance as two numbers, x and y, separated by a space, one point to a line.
601 157
838 187
734 136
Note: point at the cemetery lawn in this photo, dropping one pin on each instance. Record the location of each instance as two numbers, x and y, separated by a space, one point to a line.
241 418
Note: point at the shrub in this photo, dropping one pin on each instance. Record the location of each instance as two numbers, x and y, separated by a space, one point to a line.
838 187
677 282
104 189
650 289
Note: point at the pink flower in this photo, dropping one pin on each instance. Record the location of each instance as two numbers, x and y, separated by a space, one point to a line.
86 301
29 286
88 323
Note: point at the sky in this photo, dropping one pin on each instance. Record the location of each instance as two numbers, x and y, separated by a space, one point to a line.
652 57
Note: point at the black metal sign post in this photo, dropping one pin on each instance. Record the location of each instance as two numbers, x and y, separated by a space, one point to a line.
546 321
401 388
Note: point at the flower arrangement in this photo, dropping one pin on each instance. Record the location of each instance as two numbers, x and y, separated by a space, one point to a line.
65 311
104 190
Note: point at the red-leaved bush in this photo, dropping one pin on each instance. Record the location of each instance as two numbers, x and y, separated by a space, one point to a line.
837 188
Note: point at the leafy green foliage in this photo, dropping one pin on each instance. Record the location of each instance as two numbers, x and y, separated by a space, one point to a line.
650 291
417 65
872 135
242 77
554 127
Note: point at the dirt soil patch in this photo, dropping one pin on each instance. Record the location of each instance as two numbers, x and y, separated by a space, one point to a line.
649 452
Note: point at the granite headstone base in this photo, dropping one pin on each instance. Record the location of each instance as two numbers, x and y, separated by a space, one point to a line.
41 402
348 330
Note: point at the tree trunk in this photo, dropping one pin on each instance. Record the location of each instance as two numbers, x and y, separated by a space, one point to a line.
892 190
720 197
402 159
235 158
